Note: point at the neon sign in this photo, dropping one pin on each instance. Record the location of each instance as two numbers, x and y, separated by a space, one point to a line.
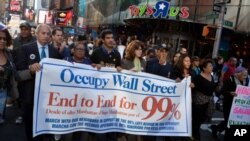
162 8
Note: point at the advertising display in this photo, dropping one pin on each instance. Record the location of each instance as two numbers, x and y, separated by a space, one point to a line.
64 18
45 16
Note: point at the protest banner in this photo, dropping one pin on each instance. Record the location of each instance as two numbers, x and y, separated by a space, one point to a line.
240 110
73 97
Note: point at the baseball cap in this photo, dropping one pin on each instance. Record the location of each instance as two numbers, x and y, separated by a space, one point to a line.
160 47
25 24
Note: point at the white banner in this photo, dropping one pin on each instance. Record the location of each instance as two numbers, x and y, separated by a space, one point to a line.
76 97
240 111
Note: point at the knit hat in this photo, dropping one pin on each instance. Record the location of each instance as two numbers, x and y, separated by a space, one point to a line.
240 69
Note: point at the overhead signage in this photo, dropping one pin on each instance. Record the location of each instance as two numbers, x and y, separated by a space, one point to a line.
221 1
218 8
212 16
162 9
228 23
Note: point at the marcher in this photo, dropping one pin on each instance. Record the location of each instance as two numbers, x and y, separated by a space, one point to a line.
79 57
7 71
228 90
59 44
201 96
160 65
134 62
31 54
106 56
23 38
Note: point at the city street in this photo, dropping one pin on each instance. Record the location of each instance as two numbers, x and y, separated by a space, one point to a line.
9 131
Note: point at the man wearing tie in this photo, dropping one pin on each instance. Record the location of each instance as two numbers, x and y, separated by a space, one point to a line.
31 54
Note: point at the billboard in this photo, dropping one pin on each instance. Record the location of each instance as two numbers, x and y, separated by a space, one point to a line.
45 16
64 18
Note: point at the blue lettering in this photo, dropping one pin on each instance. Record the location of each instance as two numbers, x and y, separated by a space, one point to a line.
85 78
145 83
71 74
118 79
76 79
149 86
161 8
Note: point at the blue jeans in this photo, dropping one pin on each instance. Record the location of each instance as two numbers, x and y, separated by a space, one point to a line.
3 97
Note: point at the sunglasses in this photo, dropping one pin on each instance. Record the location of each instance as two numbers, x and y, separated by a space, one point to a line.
3 38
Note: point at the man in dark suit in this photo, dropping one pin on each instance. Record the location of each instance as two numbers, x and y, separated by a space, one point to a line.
30 55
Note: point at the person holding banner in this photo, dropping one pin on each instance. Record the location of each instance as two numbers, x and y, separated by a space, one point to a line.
133 59
30 55
79 57
134 62
228 91
160 65
106 56
181 70
7 70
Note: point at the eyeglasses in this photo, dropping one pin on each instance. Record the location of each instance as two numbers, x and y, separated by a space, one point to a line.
3 38
79 49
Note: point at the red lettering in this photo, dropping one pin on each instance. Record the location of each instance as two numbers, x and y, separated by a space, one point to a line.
53 99
150 11
184 12
134 10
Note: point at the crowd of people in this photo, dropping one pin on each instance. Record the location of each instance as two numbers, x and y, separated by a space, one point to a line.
20 57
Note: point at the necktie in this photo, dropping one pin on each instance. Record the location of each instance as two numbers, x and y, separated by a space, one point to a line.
43 54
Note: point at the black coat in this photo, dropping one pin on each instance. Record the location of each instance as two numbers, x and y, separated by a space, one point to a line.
26 56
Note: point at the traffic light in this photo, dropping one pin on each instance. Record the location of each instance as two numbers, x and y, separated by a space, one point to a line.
205 31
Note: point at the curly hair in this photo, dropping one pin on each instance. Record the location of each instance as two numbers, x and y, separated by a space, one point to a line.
130 50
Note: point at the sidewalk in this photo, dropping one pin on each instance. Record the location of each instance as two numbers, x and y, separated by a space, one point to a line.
10 131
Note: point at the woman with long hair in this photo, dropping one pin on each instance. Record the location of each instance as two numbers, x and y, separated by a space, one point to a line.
182 68
133 59
201 96
7 70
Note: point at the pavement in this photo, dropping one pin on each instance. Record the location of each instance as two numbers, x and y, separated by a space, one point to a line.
9 131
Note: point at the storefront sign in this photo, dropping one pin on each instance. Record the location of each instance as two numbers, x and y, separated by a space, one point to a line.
161 9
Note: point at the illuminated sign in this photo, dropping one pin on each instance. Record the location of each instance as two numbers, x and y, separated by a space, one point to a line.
161 9
64 18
